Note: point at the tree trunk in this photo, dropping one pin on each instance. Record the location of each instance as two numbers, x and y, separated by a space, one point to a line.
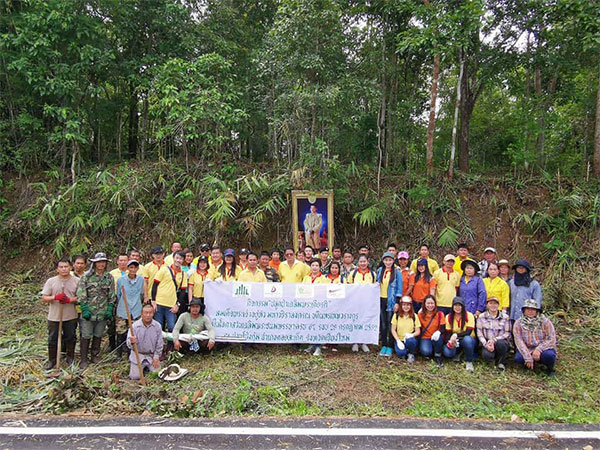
132 138
431 126
597 133
456 108
119 133
144 139
466 109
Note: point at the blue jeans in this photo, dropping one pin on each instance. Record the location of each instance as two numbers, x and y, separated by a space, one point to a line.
547 358
164 314
467 344
385 323
445 309
428 347
417 306
410 346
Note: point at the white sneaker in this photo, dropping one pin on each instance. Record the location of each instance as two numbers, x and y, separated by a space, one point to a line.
317 352
365 348
309 349
411 358
355 348
501 366
469 366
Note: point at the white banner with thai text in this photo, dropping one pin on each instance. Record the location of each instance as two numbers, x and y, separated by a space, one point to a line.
288 313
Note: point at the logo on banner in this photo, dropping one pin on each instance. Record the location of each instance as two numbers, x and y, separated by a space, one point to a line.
241 290
273 290
336 291
305 291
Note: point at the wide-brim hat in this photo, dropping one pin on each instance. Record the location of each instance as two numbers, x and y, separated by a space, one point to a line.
196 301
173 372
99 257
469 262
531 303
522 263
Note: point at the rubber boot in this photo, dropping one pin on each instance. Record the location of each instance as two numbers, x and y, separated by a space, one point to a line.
70 352
121 346
96 349
112 342
51 357
84 346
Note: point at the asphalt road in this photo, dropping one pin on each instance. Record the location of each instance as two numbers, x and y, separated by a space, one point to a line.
141 433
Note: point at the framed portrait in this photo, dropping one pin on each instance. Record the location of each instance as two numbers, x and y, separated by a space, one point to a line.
312 218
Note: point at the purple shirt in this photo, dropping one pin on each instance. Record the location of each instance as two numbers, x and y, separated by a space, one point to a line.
149 341
473 293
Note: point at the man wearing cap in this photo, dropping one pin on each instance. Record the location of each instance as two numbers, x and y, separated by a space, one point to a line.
504 267
325 260
489 256
167 283
118 272
424 253
271 273
194 322
243 259
523 287
252 272
135 255
175 247
493 332
151 269
147 334
291 270
96 296
462 255
313 221
404 270
133 284
60 292
447 280
535 338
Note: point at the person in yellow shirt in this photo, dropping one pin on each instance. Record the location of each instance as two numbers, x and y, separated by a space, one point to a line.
229 270
334 276
243 259
447 282
315 275
197 278
406 327
462 255
460 324
150 270
175 247
252 272
497 287
216 260
291 270
424 253
362 275
204 251
121 268
168 282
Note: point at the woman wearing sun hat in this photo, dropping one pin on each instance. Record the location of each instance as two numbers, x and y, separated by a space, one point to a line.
523 287
535 338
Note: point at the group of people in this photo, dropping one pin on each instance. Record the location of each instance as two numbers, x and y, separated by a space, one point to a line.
437 312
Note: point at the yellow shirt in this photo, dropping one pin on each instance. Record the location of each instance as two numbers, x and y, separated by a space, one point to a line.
457 327
116 273
336 280
169 259
196 282
432 263
385 282
308 279
446 287
404 324
498 288
458 262
213 272
361 278
247 275
150 270
228 276
195 260
294 274
165 294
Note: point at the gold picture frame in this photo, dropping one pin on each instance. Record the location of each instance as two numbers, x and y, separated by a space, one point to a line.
302 203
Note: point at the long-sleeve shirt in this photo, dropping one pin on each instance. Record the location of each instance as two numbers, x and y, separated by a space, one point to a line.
528 341
96 292
149 341
134 290
498 288
493 328
518 295
187 324
473 293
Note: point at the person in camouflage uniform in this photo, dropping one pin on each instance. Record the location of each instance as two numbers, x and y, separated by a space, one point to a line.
270 272
97 297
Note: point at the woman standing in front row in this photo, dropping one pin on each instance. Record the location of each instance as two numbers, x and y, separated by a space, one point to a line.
390 282
362 275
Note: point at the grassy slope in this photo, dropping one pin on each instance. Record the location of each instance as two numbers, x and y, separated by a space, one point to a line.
278 380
